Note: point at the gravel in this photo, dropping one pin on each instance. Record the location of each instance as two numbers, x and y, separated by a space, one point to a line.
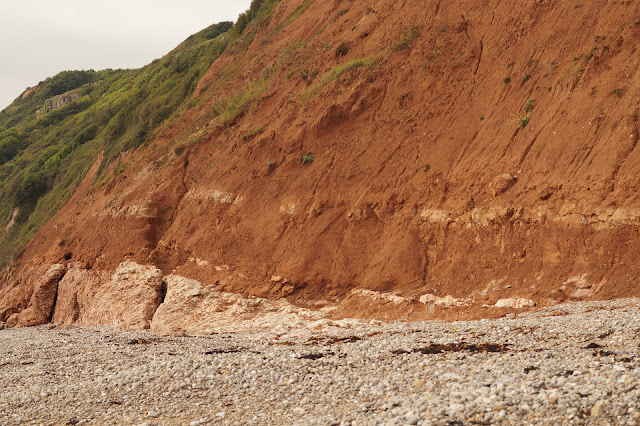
568 364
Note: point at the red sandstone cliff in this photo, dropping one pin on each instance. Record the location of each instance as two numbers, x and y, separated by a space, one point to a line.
525 113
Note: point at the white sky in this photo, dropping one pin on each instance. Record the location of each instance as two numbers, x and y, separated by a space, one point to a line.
39 38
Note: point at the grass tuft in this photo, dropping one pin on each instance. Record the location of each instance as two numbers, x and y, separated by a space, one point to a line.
406 39
227 109
336 72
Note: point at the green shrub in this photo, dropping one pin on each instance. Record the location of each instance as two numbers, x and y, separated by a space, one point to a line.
257 10
32 187
87 134
528 106
519 121
66 81
11 143
216 29
308 159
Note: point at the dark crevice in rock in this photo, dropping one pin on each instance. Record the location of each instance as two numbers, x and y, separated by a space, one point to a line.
55 298
163 291
162 294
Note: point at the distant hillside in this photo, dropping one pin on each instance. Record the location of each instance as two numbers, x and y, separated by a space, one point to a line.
45 151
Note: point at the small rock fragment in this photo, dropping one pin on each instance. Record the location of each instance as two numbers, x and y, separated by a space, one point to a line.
518 303
501 184
598 409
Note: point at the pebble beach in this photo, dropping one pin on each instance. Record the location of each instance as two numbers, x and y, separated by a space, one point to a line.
576 363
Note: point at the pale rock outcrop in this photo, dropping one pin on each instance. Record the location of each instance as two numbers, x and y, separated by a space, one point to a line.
76 292
445 302
128 300
582 288
515 303
42 299
57 102
380 297
191 307
12 220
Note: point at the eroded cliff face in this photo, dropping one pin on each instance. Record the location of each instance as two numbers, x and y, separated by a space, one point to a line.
463 154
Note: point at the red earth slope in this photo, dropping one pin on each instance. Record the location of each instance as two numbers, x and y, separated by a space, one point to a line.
479 150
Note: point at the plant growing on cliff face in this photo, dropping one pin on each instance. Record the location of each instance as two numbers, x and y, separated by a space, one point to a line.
120 168
308 159
336 72
524 121
406 39
342 50
521 122
618 92
257 10
507 80
227 109
528 106
178 150
427 167
250 134
293 15
308 77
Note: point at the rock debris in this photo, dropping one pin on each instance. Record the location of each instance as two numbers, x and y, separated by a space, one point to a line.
568 364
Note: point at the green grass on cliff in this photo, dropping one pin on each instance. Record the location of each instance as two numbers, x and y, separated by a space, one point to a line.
42 160
336 72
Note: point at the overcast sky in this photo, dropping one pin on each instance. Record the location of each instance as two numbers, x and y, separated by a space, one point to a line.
39 38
